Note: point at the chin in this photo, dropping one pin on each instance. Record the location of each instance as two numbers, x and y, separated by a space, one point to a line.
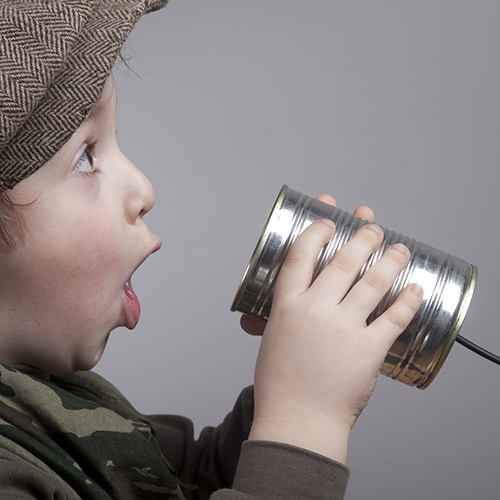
85 359
78 365
89 363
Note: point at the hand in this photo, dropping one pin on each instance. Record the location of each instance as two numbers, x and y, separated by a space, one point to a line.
319 361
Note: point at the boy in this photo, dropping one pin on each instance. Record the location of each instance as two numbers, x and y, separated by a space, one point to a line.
73 233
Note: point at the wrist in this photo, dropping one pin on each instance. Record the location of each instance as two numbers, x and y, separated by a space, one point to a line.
321 434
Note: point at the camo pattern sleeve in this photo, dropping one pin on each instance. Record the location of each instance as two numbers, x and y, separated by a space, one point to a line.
82 432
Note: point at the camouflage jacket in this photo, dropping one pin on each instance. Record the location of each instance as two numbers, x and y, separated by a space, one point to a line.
83 432
77 438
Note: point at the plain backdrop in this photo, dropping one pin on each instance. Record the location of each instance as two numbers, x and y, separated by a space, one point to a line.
393 104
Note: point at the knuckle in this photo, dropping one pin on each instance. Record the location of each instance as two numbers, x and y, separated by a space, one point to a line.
373 233
315 312
293 261
400 314
308 245
398 319
399 253
376 282
342 263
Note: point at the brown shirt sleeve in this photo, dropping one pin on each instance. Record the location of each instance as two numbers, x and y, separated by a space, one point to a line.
275 471
210 461
22 480
227 467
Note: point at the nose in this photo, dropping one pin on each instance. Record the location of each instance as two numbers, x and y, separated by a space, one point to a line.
140 196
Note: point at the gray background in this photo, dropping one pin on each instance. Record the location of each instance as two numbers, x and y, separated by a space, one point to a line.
394 104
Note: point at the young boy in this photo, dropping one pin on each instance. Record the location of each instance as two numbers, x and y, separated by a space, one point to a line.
73 233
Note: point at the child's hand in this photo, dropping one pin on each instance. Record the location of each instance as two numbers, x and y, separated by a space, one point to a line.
319 361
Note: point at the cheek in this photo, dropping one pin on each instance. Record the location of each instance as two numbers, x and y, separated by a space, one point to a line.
92 251
80 260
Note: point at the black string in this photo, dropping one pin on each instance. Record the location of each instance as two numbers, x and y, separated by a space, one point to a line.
478 350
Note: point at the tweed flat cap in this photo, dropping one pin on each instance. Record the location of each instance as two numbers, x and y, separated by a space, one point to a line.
55 56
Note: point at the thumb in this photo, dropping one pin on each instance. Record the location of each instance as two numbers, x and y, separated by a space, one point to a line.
252 326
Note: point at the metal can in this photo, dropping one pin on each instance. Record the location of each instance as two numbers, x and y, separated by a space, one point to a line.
448 282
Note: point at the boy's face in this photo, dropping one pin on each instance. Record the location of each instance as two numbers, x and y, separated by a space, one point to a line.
67 286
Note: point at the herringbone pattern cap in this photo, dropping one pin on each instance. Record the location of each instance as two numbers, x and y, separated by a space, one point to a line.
55 56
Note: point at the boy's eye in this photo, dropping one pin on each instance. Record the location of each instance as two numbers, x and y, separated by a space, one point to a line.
85 163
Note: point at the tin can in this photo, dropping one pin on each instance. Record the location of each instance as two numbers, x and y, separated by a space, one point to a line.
448 283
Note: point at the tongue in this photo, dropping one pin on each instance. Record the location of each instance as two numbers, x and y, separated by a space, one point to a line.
132 307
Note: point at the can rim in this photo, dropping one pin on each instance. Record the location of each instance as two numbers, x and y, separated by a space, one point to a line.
254 259
463 313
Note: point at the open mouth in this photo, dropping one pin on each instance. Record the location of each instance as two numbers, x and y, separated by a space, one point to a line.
132 306
131 301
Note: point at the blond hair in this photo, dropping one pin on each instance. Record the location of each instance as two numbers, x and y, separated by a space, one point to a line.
12 223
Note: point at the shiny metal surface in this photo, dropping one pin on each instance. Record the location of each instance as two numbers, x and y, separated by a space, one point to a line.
448 283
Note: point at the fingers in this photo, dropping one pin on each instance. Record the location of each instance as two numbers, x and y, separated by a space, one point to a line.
296 273
377 280
252 326
336 280
365 213
338 276
326 198
362 211
388 326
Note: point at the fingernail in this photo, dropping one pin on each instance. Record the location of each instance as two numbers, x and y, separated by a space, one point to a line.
399 246
416 289
328 222
375 228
